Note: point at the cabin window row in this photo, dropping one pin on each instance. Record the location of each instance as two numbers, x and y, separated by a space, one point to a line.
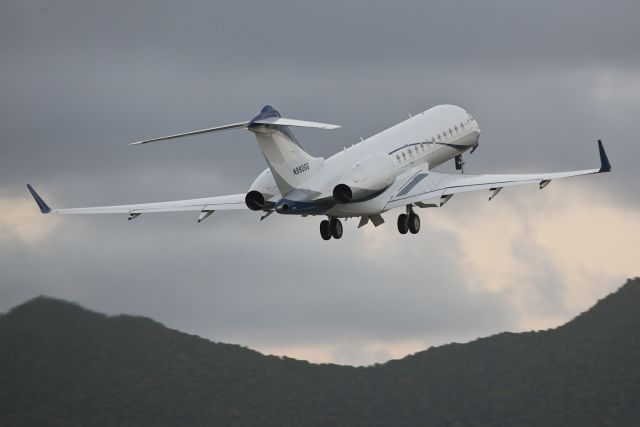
402 156
410 153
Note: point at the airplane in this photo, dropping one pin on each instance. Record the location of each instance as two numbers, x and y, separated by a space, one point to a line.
392 169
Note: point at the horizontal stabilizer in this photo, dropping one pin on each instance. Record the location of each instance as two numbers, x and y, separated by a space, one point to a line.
281 121
195 132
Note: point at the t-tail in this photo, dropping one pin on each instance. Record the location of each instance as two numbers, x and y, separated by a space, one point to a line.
290 165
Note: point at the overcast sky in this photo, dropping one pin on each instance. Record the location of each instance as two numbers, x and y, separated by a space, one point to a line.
546 79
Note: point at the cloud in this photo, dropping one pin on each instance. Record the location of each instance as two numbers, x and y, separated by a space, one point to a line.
21 222
613 85
551 254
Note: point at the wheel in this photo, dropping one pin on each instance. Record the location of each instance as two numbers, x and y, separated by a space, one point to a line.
403 223
325 230
414 223
336 228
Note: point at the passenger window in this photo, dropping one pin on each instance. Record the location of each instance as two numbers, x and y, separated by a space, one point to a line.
455 128
404 156
450 132
398 157
462 125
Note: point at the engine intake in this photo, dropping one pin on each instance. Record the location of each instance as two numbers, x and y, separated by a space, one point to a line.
342 193
254 200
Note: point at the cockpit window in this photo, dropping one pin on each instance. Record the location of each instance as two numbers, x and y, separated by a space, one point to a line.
470 117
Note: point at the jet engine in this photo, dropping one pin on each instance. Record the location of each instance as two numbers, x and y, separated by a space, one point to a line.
262 189
365 179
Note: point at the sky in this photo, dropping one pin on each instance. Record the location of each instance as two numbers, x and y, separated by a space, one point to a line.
79 80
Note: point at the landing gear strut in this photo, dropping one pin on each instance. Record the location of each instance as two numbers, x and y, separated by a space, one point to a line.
459 163
331 228
409 222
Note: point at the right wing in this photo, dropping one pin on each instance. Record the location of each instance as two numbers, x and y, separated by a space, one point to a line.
423 185
206 206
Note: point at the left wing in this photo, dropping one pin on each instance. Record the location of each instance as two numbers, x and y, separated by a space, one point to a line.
206 206
424 185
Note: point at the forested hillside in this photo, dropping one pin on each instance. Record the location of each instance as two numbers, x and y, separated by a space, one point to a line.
63 365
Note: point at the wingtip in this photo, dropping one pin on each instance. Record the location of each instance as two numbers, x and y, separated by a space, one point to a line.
605 166
44 208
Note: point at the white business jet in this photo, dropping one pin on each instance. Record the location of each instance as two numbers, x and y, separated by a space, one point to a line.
392 169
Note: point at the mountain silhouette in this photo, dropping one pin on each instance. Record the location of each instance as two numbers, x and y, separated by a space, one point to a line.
62 365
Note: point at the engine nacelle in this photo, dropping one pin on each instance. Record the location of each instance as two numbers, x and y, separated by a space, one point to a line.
365 179
255 200
262 189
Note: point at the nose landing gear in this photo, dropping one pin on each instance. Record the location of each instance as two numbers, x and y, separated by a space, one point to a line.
331 228
409 222
459 163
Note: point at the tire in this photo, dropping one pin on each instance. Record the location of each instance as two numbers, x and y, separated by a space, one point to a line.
325 230
414 223
403 223
336 228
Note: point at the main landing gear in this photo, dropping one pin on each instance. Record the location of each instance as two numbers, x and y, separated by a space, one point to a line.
409 222
331 228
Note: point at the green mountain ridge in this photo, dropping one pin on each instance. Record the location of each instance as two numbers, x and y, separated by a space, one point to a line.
63 365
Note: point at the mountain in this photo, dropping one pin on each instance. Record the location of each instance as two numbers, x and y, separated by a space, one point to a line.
62 365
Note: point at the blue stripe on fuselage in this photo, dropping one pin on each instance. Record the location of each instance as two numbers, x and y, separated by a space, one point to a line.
294 207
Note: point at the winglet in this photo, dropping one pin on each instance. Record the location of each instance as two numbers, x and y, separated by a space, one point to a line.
605 166
44 208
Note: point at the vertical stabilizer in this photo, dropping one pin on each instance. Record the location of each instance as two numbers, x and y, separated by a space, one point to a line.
290 165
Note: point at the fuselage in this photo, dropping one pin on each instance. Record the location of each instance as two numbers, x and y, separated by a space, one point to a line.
419 143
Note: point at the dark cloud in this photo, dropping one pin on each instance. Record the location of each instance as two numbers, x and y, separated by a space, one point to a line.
79 80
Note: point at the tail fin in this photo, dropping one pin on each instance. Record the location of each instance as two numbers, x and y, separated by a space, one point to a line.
290 165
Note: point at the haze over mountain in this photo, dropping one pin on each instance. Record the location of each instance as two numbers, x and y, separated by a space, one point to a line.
64 365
